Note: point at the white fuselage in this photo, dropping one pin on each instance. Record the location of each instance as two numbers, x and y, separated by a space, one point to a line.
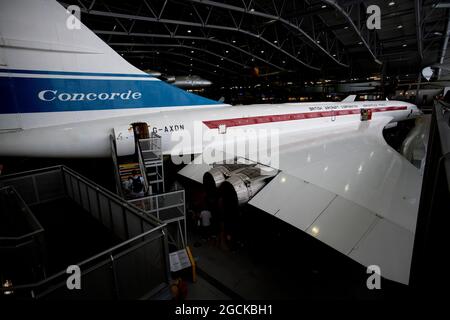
91 138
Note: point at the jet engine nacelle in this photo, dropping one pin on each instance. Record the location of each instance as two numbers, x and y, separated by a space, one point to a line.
238 189
217 175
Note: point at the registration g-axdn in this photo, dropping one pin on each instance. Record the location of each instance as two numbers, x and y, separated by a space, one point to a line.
64 92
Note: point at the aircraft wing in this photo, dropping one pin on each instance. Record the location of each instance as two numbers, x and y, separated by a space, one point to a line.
348 188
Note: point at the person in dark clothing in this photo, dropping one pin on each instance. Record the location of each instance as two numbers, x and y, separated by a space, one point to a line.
136 185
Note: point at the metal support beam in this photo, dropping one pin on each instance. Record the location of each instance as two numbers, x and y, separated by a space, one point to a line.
199 25
209 39
444 46
178 55
418 12
338 8
253 12
173 45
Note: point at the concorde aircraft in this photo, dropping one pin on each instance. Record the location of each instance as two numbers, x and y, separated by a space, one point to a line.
63 92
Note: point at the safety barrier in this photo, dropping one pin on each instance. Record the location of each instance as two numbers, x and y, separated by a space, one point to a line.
136 268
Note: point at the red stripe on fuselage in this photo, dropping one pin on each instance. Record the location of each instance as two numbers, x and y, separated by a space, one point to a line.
236 122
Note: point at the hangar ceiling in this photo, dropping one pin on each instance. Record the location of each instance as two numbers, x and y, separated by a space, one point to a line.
299 40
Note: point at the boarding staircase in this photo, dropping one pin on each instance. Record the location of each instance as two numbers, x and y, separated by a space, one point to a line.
148 161
152 160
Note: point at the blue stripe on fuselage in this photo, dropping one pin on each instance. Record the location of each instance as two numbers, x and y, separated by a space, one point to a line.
73 73
21 95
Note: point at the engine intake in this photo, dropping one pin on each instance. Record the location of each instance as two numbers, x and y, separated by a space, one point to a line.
242 186
217 175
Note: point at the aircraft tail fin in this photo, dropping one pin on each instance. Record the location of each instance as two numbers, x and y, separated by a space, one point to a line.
350 98
51 62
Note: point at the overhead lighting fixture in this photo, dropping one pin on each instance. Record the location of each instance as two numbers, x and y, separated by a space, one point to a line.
318 41
189 31
405 45
360 43
324 6
283 61
346 27
392 3
400 26
226 51
192 51
234 41
252 10
275 41
262 51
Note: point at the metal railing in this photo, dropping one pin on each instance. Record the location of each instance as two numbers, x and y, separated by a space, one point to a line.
27 246
147 187
443 123
152 144
168 207
434 204
119 190
136 268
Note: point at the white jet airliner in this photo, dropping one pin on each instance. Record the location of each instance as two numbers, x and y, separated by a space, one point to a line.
63 91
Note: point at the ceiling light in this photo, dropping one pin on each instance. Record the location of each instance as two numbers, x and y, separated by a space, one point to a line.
189 31
226 51
262 51
234 41
391 3
324 6
275 41
399 26
405 45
